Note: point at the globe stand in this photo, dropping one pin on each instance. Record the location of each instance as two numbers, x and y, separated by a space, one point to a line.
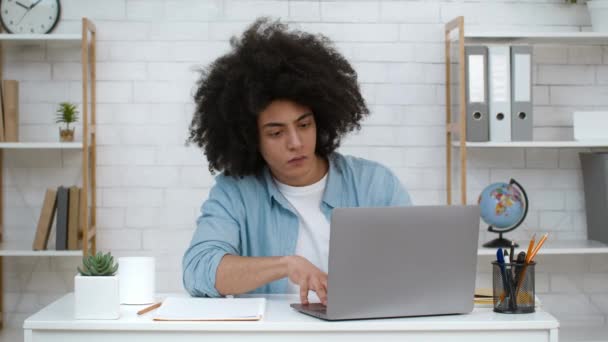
499 242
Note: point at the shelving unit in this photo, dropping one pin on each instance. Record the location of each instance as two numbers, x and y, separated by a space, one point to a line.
40 37
588 38
559 247
25 249
456 34
87 211
535 144
41 145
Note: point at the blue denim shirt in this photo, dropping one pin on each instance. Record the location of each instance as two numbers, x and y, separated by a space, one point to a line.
249 217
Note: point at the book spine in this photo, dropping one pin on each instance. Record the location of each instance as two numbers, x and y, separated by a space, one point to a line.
2 137
46 220
10 101
62 219
73 213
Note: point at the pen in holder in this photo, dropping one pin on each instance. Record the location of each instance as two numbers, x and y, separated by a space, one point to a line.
513 287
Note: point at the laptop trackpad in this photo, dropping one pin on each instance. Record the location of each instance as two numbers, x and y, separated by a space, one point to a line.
315 309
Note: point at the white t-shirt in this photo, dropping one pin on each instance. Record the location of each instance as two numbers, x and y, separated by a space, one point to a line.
313 236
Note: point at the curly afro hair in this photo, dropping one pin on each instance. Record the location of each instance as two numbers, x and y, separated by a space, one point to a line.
268 63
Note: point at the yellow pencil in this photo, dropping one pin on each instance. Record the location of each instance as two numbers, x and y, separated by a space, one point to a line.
530 248
148 309
531 258
538 246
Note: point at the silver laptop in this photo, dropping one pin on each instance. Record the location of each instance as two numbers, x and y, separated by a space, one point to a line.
400 261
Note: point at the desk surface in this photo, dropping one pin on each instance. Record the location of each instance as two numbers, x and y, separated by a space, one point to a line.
280 317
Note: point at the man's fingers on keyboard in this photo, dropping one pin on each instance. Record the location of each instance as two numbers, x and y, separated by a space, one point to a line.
304 292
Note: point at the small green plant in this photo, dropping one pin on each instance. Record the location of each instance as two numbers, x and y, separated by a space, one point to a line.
67 113
99 265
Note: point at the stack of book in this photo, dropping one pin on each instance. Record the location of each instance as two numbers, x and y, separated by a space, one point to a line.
65 203
9 111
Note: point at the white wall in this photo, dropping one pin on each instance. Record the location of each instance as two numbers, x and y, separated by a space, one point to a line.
150 187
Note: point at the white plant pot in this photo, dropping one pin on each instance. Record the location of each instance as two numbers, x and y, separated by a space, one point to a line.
96 297
598 10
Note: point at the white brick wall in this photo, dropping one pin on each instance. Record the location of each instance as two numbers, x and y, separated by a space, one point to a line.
150 187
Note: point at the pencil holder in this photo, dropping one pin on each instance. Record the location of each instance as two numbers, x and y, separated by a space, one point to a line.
513 287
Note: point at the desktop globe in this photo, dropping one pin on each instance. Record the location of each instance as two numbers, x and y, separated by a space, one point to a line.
504 207
501 205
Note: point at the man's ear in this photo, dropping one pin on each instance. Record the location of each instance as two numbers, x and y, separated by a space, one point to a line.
323 137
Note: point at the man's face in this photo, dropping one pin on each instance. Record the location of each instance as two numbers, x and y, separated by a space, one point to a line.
288 135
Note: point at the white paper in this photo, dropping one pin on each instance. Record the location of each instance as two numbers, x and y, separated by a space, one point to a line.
522 77
477 89
211 309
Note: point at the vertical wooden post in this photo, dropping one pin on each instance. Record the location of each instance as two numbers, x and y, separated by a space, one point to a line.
457 23
1 259
448 119
84 217
1 203
1 193
93 140
1 158
463 114
1 293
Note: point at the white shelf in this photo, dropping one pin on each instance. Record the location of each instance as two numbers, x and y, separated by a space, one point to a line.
545 144
40 37
538 37
24 248
583 333
40 145
558 247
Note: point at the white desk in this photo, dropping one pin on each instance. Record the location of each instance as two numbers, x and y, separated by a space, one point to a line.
55 323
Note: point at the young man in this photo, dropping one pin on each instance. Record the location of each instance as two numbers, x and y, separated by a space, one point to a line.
270 115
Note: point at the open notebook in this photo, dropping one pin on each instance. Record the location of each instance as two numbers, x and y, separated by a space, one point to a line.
211 309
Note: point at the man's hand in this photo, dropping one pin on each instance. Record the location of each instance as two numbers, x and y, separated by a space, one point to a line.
302 272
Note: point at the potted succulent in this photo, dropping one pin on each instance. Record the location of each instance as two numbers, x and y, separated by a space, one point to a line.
96 291
598 10
66 114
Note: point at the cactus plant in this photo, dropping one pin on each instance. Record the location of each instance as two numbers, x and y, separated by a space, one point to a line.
98 265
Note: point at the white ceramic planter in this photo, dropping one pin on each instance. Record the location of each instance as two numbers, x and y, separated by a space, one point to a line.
598 10
96 297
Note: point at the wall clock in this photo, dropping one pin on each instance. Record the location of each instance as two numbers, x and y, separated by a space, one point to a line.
29 16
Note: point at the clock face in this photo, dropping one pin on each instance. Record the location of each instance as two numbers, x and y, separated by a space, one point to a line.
29 16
